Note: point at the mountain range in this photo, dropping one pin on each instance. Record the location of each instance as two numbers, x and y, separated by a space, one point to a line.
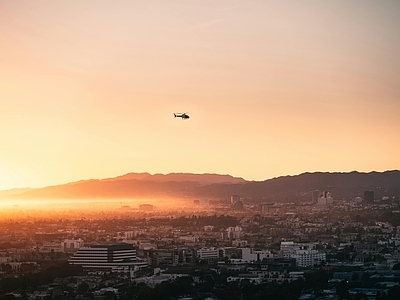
215 186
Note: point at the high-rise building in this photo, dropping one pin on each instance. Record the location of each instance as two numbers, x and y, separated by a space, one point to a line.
369 196
315 195
237 203
106 257
234 199
238 206
326 194
325 199
396 194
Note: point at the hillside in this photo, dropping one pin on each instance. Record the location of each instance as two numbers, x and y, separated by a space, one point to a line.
214 186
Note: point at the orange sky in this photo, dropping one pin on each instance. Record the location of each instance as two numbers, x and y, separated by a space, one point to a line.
88 88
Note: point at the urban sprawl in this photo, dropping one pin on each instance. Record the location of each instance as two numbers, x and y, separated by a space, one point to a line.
233 248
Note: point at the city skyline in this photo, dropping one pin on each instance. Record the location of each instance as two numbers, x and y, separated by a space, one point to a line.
89 89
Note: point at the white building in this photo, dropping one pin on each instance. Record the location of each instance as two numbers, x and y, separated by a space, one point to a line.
208 253
304 253
129 234
232 233
308 258
106 257
147 246
208 228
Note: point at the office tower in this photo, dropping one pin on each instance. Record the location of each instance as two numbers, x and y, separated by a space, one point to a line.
106 257
369 196
234 199
315 195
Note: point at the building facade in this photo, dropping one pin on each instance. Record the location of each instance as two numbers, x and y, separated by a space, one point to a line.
209 254
106 257
72 246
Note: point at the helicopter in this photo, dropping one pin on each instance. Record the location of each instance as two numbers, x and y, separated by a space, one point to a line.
184 116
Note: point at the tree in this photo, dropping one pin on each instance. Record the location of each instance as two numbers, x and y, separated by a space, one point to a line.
396 266
8 297
393 293
89 296
6 268
316 279
343 289
82 288
109 296
365 277
355 276
360 296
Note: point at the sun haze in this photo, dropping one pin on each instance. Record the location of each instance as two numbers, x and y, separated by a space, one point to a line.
88 88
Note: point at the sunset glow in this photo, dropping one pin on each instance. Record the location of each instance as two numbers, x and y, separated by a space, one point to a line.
88 88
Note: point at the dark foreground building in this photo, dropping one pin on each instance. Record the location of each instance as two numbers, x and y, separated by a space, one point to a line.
369 196
107 257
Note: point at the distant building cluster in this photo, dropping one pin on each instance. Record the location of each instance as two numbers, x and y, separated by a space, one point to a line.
324 200
201 202
231 240
271 208
305 254
146 207
232 233
237 203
